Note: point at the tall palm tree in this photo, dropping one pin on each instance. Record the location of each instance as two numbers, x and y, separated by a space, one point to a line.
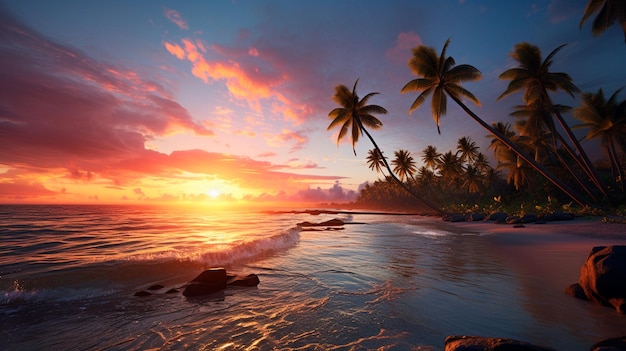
441 78
610 11
467 150
375 161
534 77
606 120
430 155
404 165
353 115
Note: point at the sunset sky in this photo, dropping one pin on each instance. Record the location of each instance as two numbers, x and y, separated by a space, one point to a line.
208 101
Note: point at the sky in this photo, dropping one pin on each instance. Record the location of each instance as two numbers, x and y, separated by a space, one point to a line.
227 101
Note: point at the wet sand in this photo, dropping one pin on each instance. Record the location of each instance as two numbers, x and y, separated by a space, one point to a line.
554 251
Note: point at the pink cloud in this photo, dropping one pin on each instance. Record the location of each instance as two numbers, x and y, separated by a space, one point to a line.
175 50
287 136
175 17
404 43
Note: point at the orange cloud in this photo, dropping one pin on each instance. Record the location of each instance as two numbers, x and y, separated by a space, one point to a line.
175 50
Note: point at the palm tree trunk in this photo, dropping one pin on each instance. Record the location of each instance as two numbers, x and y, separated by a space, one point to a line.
425 202
515 148
618 165
590 169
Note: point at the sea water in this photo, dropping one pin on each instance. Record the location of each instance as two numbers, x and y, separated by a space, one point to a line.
68 275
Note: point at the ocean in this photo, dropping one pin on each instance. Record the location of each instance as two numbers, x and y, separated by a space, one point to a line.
68 275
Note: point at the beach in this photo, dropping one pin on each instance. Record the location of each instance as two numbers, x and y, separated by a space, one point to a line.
381 281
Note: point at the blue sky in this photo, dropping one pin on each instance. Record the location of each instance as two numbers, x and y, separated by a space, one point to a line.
183 100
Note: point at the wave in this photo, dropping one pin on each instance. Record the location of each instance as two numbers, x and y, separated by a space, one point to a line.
98 279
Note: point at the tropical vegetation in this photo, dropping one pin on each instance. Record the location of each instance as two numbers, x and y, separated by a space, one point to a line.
540 163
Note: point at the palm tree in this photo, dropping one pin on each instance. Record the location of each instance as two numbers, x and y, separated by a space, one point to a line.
609 12
375 161
430 155
467 150
606 120
450 168
472 179
353 115
404 165
533 76
441 78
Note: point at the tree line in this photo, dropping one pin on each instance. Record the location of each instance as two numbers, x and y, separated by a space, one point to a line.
540 155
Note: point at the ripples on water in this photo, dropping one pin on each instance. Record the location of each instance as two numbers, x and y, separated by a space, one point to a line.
68 274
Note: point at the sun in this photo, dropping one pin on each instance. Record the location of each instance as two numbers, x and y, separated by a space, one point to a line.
214 193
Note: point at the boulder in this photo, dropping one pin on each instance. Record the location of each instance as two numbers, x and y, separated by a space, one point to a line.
479 343
603 277
249 280
454 217
476 217
209 281
330 223
498 217
613 344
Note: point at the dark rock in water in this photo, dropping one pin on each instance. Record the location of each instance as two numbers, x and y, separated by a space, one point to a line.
171 291
330 223
248 280
603 276
529 218
207 282
613 344
498 217
156 287
478 343
513 220
454 217
476 217
142 293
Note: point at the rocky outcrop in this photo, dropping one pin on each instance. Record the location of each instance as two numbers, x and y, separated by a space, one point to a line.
208 282
603 277
330 223
613 344
478 343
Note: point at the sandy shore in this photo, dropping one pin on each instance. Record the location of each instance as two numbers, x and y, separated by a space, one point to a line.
554 251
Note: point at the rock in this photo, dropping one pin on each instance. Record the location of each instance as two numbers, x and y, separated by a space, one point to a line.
478 343
454 217
207 282
330 223
498 217
476 217
576 291
513 220
142 293
603 276
171 291
528 218
248 280
613 344
156 287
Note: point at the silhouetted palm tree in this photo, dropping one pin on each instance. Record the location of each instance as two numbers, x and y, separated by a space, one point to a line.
610 11
430 155
534 77
353 114
467 150
404 165
375 160
606 120
450 168
441 78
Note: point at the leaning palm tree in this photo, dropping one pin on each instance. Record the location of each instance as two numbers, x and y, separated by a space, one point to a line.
534 78
354 114
440 77
375 161
609 11
404 165
606 120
